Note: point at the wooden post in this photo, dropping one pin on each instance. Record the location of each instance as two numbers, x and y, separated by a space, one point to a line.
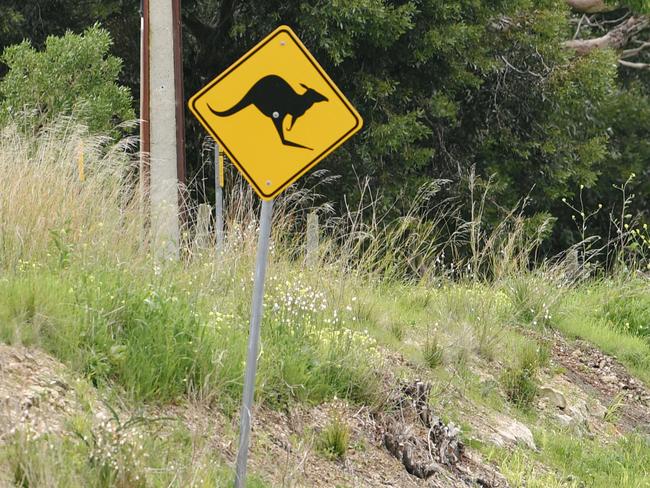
312 239
202 237
218 224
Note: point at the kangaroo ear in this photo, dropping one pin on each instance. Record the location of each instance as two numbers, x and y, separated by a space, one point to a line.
305 86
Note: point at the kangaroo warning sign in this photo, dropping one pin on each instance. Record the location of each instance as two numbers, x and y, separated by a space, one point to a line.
276 113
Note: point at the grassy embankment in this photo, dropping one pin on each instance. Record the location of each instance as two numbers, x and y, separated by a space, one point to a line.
79 282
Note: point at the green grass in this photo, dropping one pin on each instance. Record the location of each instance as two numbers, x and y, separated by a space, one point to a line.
432 353
628 309
333 442
519 379
565 460
160 338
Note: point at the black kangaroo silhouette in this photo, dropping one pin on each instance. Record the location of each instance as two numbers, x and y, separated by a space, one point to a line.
275 98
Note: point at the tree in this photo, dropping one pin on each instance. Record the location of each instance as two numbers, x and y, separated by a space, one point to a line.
622 30
444 86
38 19
539 97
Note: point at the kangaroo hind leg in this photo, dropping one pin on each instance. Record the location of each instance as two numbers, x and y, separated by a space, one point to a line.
278 126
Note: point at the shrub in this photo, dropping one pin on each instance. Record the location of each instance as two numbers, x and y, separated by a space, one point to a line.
432 353
519 380
334 440
532 301
73 75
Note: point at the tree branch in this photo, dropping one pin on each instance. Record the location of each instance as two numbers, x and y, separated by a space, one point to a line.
629 53
629 64
617 38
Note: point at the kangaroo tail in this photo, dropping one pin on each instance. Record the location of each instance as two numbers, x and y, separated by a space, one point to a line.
242 104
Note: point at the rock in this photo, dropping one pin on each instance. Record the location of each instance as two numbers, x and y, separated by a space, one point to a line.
609 378
597 410
579 412
555 397
564 419
508 431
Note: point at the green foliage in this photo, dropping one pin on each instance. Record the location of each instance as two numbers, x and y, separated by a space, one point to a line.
74 75
451 85
158 341
587 313
532 301
626 465
397 329
577 461
114 454
638 6
337 25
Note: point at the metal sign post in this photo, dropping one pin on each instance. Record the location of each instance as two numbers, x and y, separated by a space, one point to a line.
218 204
253 340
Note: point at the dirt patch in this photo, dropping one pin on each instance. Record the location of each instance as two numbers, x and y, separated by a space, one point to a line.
604 377
36 396
405 446
283 448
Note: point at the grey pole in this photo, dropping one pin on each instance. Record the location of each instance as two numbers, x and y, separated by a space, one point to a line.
253 341
218 167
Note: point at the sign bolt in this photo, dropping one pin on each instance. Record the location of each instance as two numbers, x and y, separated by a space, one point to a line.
276 115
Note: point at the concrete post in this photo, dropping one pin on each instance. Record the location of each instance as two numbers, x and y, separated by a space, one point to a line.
164 128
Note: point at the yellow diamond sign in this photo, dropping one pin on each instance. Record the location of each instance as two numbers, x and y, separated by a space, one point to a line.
276 113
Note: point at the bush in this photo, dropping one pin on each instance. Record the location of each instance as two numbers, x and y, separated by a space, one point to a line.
532 301
73 75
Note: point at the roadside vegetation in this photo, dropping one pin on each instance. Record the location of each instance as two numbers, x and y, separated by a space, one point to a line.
79 281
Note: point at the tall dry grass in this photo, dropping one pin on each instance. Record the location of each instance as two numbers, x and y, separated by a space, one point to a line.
46 209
